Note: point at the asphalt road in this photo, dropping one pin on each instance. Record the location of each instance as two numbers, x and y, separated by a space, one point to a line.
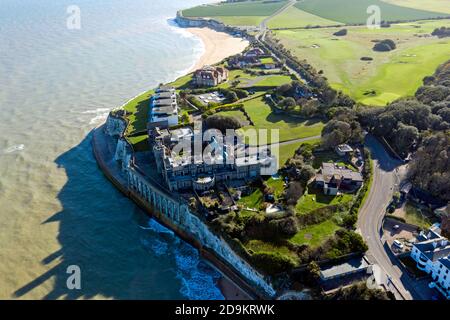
386 178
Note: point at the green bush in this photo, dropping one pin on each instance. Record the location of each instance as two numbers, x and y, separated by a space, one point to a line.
272 263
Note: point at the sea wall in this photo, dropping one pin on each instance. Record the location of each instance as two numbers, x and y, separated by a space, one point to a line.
174 213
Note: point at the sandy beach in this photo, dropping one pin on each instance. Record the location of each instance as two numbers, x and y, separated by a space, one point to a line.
218 46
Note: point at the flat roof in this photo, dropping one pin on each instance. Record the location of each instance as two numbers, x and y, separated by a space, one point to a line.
350 266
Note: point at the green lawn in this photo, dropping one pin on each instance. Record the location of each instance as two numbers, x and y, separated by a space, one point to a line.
315 199
258 246
277 185
415 217
139 112
432 5
182 82
289 128
239 115
140 143
390 75
240 13
355 11
253 200
272 81
316 234
287 151
266 60
240 20
296 18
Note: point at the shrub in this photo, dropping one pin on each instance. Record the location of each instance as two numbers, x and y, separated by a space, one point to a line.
272 263
384 45
340 33
222 123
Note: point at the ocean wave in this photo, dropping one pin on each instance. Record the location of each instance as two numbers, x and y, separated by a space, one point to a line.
100 115
198 280
14 148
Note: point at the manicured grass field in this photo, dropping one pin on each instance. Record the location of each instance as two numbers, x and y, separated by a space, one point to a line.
139 112
240 13
390 75
289 128
273 81
287 151
239 115
258 246
315 199
266 60
241 20
277 185
314 235
355 11
296 18
432 5
253 200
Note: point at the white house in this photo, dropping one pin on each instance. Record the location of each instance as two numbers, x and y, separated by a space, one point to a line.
431 254
163 107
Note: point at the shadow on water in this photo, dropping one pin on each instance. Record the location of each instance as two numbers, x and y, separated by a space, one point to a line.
113 243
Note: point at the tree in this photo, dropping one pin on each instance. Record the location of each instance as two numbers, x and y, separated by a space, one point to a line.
293 193
335 133
312 276
306 173
288 103
430 167
359 291
404 137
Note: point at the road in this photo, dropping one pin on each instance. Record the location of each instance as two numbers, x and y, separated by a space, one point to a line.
386 177
385 180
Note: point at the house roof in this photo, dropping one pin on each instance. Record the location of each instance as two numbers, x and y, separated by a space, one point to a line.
330 171
164 95
164 102
344 148
445 261
350 266
434 249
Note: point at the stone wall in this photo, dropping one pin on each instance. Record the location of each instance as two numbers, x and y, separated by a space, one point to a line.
175 210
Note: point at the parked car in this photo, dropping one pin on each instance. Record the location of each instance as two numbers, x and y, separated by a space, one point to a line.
398 244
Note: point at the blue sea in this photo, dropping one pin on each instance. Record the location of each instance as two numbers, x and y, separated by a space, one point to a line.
57 209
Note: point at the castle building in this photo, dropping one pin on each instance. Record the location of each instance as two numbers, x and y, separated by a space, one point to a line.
201 172
209 76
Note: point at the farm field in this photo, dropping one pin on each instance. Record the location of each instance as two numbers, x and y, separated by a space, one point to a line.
389 76
296 18
289 128
432 5
240 13
355 11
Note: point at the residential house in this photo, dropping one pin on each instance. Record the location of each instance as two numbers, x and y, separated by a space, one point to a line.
163 109
333 178
431 254
210 76
343 149
254 52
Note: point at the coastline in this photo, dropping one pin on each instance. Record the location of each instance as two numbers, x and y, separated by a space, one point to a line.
217 46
